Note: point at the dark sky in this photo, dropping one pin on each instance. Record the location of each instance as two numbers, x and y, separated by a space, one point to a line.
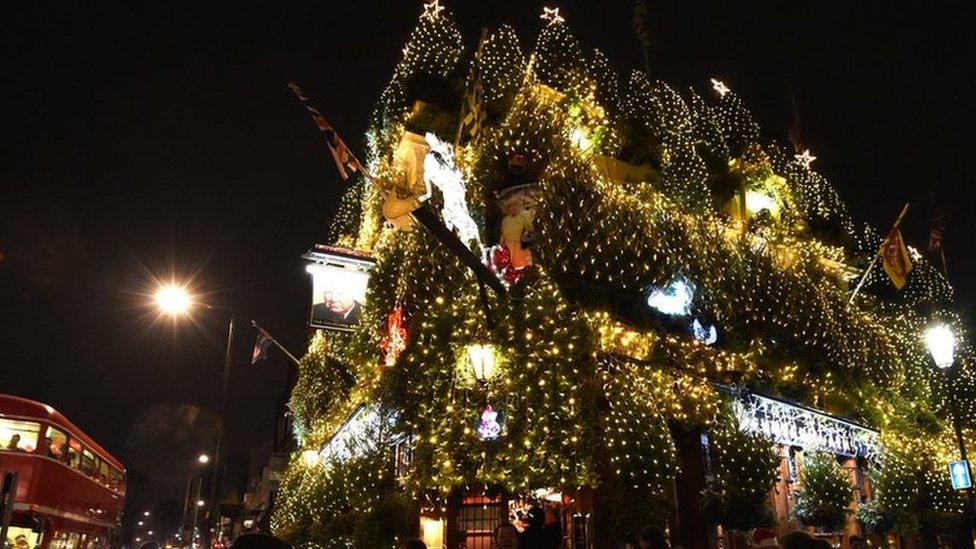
159 140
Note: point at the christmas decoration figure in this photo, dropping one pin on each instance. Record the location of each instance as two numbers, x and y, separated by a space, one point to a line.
396 337
409 190
489 428
441 172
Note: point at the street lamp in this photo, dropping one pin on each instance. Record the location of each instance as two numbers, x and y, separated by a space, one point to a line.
176 300
201 503
145 513
173 300
482 360
941 343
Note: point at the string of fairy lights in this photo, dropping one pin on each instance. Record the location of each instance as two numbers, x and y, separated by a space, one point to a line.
637 185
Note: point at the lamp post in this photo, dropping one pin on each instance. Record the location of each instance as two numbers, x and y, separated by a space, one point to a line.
482 360
176 301
941 344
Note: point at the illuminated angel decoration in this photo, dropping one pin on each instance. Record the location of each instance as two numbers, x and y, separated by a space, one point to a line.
441 171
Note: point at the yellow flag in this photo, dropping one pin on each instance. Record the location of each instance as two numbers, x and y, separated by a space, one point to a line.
895 258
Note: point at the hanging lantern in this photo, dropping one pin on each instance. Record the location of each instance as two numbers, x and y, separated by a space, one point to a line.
482 359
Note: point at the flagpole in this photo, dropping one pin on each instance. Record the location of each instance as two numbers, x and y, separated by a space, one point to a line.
878 255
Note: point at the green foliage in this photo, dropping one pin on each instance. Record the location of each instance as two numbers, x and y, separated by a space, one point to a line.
428 70
559 61
502 69
323 381
341 504
744 469
826 494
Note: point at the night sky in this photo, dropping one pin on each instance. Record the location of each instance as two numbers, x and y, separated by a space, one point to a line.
150 143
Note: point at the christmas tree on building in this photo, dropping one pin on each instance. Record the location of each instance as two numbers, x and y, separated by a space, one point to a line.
552 286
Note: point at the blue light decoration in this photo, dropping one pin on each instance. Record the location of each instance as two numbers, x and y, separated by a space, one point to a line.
707 336
673 299
959 474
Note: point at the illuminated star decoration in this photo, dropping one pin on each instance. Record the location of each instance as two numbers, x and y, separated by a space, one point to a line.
720 87
806 158
432 9
396 340
552 15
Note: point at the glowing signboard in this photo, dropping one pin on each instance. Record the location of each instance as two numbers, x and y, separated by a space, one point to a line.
339 280
792 425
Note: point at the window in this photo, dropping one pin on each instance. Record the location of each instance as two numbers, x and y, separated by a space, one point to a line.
57 444
103 472
117 482
74 454
88 465
19 436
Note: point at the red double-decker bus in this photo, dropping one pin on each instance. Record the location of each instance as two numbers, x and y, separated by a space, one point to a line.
70 491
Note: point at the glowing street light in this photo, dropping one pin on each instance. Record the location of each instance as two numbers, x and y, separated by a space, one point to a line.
173 299
482 360
145 513
941 343
203 459
201 503
141 523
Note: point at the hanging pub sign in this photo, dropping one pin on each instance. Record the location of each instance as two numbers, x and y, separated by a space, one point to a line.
959 473
806 428
339 279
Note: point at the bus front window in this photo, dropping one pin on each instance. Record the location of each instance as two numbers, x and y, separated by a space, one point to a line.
19 436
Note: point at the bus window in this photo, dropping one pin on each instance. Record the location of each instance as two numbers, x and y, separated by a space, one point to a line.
103 472
88 462
57 444
74 454
19 436
116 480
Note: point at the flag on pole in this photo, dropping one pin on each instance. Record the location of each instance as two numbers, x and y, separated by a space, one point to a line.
473 108
344 158
261 345
474 112
895 258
